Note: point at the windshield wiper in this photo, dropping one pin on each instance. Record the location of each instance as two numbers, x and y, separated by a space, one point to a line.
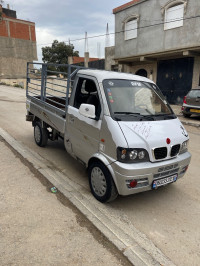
127 113
135 115
166 116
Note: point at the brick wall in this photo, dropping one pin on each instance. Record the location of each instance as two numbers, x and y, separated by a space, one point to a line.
17 46
33 37
18 29
3 29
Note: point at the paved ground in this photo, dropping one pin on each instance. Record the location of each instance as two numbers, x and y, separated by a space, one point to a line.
38 227
194 120
169 217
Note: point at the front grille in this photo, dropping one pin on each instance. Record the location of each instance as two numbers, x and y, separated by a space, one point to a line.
175 150
168 167
160 153
167 171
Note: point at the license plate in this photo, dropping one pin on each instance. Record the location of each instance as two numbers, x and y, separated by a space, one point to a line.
164 181
194 110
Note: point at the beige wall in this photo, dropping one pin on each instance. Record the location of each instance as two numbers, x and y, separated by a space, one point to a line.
109 57
12 82
14 55
150 68
11 67
196 72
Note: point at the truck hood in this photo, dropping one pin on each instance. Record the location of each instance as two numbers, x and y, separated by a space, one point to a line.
153 134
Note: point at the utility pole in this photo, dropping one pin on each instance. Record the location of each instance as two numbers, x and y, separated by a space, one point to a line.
86 55
86 43
107 42
99 50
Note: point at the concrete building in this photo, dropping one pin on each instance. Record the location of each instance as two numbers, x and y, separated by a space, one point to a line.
17 46
159 39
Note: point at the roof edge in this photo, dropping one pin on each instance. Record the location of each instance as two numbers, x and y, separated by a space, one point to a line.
18 20
127 5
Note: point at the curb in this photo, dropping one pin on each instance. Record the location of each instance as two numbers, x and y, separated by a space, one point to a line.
190 124
133 244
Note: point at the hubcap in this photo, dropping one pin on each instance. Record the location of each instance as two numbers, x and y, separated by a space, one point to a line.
98 181
37 134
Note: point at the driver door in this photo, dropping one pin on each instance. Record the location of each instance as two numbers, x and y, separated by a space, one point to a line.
84 132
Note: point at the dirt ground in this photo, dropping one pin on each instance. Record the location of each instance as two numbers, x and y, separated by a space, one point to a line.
39 227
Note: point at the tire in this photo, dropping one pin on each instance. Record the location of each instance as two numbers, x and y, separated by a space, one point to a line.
40 134
101 183
186 115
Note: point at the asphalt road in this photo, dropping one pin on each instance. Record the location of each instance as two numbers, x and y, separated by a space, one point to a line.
168 216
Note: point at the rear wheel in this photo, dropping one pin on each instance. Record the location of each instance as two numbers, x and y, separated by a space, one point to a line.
40 134
101 182
186 115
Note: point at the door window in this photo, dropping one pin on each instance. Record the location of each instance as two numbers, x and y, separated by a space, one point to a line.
86 92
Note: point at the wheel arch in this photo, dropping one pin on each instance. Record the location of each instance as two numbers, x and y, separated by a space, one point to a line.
100 158
35 119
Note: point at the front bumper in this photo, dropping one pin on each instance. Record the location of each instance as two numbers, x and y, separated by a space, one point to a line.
146 173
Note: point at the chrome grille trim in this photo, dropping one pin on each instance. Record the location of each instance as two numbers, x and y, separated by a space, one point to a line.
175 150
160 153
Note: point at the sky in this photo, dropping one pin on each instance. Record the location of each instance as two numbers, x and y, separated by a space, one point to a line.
69 19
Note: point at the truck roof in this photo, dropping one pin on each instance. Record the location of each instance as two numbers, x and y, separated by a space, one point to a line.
100 75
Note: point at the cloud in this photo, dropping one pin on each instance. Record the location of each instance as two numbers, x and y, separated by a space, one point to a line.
61 20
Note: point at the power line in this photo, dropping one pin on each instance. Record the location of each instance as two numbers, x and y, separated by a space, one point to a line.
118 32
141 27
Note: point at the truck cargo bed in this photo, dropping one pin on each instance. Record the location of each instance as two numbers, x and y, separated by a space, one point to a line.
48 92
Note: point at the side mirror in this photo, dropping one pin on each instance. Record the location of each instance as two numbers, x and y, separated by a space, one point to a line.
87 110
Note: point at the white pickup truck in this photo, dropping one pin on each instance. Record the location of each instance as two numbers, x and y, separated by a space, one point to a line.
119 125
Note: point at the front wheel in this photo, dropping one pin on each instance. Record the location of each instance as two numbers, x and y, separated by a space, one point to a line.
40 134
101 183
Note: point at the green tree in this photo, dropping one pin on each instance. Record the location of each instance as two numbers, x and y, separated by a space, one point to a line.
58 54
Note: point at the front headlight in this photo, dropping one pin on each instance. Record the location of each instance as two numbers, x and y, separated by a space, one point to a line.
184 147
126 155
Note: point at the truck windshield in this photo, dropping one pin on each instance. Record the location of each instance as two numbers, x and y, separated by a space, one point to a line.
136 100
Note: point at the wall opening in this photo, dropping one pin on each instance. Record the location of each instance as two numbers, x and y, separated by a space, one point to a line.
142 73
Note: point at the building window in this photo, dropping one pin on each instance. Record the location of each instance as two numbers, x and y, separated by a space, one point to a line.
174 15
131 26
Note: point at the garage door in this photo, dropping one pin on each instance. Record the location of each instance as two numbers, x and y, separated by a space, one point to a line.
174 78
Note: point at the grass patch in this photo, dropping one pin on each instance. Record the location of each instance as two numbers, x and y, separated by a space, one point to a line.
17 86
3 83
